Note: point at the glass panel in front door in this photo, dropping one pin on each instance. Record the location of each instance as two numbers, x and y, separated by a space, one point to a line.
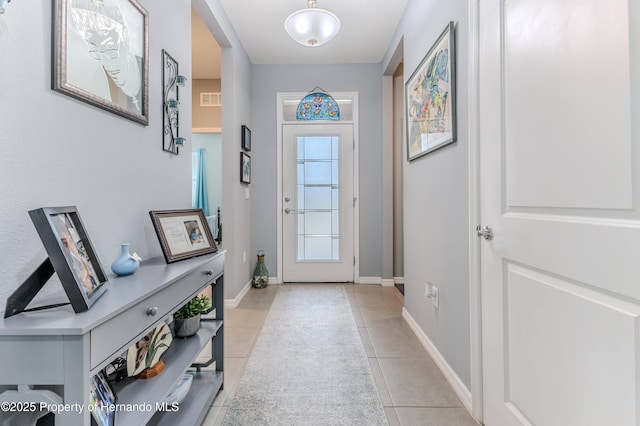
318 229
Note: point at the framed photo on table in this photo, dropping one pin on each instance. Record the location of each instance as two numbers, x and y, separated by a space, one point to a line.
100 55
431 98
183 233
72 254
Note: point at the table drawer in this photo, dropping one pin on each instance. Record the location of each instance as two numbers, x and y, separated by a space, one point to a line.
114 336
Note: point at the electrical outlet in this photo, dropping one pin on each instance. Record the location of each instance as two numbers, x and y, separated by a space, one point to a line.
431 292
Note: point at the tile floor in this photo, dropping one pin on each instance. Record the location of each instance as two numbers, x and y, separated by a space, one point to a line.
412 388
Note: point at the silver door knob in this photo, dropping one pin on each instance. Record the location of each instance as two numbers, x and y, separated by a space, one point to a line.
287 211
484 231
152 311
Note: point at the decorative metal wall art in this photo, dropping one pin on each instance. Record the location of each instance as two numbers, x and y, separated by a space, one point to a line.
171 80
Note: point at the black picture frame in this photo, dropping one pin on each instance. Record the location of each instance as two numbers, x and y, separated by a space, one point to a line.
102 398
430 96
245 168
82 71
246 138
72 254
183 233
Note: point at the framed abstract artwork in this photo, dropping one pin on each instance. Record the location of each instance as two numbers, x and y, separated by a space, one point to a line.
100 55
431 99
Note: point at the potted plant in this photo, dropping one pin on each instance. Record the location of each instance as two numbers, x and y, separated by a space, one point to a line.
187 318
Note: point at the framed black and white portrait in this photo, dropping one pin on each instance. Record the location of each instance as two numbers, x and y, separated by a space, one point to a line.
100 55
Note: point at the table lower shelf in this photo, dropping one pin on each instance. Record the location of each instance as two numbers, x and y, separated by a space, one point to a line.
195 406
142 395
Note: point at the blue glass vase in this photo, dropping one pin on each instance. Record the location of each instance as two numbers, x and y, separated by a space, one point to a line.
125 264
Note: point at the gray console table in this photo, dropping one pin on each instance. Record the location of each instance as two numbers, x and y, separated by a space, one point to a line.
57 350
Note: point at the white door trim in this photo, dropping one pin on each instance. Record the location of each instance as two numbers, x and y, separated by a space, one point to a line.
475 305
281 97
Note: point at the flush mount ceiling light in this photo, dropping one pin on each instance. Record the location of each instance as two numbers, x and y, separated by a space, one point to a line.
312 26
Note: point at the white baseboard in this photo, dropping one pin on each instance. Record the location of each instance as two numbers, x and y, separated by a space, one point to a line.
385 282
370 280
458 387
233 303
273 280
398 280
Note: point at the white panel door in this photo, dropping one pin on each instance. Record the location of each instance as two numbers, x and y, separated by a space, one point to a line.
559 170
318 203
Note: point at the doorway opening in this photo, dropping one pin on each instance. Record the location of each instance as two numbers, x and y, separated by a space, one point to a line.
318 223
206 165
398 159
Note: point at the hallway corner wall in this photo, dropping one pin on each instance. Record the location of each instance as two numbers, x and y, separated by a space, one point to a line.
435 197
60 151
236 111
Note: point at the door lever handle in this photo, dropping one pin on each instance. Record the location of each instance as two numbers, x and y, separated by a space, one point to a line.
287 211
484 231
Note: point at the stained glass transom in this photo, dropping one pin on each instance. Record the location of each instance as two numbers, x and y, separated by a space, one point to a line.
318 106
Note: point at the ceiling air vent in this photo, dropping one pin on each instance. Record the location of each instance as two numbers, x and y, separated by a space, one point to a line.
210 99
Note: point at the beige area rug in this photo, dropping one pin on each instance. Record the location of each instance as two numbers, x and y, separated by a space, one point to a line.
309 366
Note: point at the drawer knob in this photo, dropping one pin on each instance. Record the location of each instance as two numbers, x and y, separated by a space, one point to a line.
208 272
152 311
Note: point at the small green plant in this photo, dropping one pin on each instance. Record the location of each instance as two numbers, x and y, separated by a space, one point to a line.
193 307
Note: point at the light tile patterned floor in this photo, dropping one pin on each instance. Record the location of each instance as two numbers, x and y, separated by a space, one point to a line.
412 389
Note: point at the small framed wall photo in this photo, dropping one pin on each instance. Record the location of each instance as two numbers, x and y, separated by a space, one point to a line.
183 233
246 138
71 254
245 168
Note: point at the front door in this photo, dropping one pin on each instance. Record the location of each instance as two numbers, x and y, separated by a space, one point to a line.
318 203
559 174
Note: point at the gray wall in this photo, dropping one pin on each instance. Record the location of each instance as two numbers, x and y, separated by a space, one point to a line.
236 216
60 151
436 190
267 80
236 110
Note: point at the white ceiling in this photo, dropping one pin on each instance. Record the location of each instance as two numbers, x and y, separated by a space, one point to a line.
366 30
367 27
